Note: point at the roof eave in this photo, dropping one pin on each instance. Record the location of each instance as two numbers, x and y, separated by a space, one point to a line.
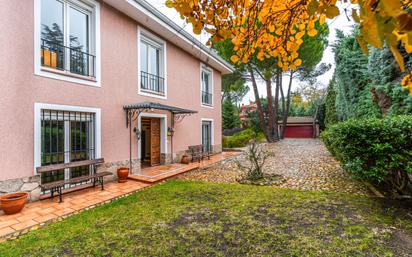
148 16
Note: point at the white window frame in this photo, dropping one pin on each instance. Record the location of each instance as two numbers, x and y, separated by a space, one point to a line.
94 45
212 134
160 43
204 68
56 107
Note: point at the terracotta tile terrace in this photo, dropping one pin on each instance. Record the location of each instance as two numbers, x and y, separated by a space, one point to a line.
39 213
159 173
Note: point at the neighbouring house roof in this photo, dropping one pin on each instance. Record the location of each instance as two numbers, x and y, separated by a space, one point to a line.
300 120
249 106
151 18
158 106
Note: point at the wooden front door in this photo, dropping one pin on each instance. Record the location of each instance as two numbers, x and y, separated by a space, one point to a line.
155 141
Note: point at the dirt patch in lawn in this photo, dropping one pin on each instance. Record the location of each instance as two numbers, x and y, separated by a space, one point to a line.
202 216
309 229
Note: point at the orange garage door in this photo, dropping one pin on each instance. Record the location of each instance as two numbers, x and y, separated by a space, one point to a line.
305 131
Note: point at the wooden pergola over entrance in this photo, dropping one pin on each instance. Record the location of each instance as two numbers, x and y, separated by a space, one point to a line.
133 112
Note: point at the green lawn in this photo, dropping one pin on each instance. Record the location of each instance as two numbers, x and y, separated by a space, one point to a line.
181 218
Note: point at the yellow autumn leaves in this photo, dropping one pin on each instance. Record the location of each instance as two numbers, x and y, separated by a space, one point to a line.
258 29
275 28
385 21
407 82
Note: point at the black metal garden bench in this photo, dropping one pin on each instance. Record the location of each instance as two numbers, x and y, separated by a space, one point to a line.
58 186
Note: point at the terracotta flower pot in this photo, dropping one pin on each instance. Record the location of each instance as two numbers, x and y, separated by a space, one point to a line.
122 174
185 159
14 202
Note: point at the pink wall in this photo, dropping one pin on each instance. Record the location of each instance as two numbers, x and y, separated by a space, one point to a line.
20 89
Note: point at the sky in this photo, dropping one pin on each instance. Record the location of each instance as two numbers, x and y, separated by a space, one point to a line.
341 22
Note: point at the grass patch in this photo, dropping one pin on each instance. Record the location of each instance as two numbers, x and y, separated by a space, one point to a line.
182 218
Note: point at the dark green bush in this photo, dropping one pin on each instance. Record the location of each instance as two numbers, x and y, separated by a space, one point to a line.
241 139
377 150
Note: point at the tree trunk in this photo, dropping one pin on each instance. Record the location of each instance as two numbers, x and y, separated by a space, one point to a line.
399 182
282 96
270 110
276 105
286 110
259 105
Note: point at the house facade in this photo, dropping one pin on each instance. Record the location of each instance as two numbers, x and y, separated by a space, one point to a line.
244 112
71 72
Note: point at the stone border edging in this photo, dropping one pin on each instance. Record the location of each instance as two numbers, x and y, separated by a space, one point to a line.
216 163
16 234
232 149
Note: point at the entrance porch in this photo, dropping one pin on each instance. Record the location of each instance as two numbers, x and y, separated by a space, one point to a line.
162 172
153 132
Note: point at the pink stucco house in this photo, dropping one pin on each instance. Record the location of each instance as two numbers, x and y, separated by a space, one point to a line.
112 79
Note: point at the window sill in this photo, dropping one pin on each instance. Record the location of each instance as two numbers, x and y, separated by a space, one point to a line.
207 105
150 93
67 76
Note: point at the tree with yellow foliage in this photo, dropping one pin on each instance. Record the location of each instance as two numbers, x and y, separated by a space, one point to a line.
275 28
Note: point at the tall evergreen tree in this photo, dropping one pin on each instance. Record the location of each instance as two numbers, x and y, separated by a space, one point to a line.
230 115
330 104
368 86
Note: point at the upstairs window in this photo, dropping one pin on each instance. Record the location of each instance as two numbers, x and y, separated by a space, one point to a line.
206 86
152 66
67 37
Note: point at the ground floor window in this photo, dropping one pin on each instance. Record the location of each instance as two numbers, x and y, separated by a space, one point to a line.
66 136
207 135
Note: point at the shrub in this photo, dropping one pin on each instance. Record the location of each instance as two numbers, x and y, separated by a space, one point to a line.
241 139
256 156
378 150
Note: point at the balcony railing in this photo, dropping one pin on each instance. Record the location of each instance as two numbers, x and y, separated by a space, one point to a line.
206 98
152 82
63 58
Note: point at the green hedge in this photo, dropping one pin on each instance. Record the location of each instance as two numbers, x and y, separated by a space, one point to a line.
377 150
240 139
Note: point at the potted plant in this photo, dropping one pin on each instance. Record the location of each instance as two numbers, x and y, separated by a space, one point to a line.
185 159
14 202
122 174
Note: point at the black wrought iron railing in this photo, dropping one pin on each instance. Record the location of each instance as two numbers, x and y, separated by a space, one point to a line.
57 56
152 82
206 98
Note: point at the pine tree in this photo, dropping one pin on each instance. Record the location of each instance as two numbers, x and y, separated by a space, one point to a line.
230 115
330 113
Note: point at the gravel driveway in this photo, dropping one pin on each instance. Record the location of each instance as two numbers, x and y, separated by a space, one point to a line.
304 164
